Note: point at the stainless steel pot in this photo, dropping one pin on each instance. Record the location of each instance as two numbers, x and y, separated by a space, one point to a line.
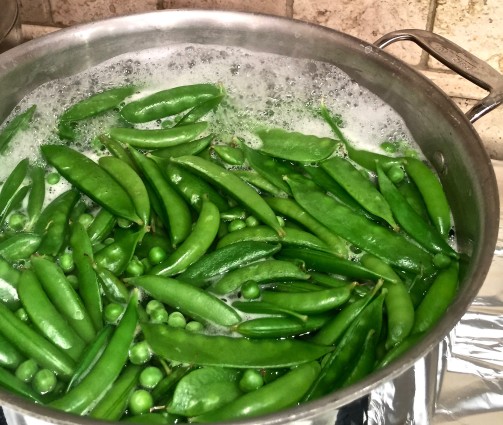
444 133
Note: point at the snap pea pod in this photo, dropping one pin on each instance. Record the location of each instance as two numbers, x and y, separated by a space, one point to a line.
131 182
12 184
360 188
261 307
19 246
190 300
89 288
113 288
188 148
81 398
293 237
169 102
229 154
117 150
225 259
411 193
433 194
400 349
177 344
46 318
33 345
10 357
18 123
158 138
37 195
9 278
113 405
410 221
163 391
269 398
279 327
260 183
370 237
234 186
260 272
14 203
10 382
175 210
200 110
195 245
294 146
91 179
365 364
102 225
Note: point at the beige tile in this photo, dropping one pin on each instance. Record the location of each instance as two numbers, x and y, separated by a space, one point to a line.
476 25
368 19
36 12
70 12
188 4
271 7
34 31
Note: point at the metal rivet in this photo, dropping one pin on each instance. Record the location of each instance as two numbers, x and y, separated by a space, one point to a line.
438 161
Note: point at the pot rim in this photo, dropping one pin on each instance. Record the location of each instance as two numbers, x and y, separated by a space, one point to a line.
163 20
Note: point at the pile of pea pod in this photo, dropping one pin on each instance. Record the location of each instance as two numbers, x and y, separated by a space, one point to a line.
187 278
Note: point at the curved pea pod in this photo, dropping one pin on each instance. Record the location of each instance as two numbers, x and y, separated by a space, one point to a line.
294 146
293 237
113 405
365 364
131 182
229 154
64 297
203 390
10 357
225 259
234 186
188 148
117 150
12 383
46 318
15 202
400 349
286 391
33 345
158 138
195 245
390 246
169 102
102 225
175 210
91 179
411 193
163 392
13 182
279 327
200 110
438 299
9 278
261 307
260 272
258 182
19 246
37 194
189 299
18 123
433 194
113 288
212 350
360 188
85 395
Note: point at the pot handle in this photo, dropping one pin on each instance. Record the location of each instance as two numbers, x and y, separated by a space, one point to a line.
460 61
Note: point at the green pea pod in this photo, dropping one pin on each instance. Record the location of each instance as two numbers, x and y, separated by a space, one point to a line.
175 210
35 346
229 154
18 123
433 194
359 187
102 225
169 102
9 278
176 344
327 280
437 300
311 302
188 148
15 202
113 288
291 209
190 300
11 383
411 193
260 272
10 357
193 189
272 397
260 183
195 246
84 396
400 349
37 194
204 390
89 288
200 110
91 179
97 103
410 221
19 246
365 364
368 236
158 138
92 354
294 146
261 307
226 259
163 391
113 405
64 297
53 223
117 150
12 184
131 182
234 186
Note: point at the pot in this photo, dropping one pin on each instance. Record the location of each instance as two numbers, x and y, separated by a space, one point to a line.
443 132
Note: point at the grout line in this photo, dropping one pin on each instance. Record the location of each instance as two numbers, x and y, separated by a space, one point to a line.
160 5
430 24
289 8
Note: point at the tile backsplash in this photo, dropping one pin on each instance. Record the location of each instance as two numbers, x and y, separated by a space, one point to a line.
476 25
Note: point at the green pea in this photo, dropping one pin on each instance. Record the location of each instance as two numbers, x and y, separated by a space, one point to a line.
135 268
140 353
27 370
396 174
150 377
194 326
153 305
157 254
22 315
124 223
389 147
251 380
74 281
66 262
140 402
113 312
441 260
250 290
17 221
86 219
177 320
53 178
44 381
251 221
159 316
236 225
